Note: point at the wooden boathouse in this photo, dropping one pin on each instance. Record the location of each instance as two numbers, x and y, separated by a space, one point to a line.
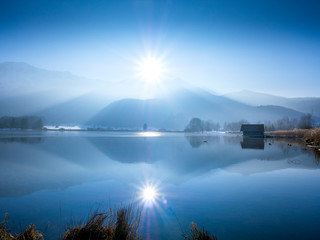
252 130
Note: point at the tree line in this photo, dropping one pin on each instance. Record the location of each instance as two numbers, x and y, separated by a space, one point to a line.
198 125
26 122
285 123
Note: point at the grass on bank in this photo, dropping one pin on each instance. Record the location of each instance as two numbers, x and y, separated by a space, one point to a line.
119 224
196 234
311 136
28 234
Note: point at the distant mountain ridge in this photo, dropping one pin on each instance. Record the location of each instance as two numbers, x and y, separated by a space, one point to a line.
174 112
305 105
18 78
63 98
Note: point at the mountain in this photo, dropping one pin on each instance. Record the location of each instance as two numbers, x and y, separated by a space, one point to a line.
133 113
19 78
58 97
74 111
175 111
63 98
305 105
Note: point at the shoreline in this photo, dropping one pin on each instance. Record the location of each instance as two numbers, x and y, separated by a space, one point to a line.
86 130
310 137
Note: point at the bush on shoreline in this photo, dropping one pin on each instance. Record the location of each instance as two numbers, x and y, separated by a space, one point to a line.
313 136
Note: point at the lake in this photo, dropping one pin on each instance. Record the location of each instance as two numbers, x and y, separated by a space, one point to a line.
237 188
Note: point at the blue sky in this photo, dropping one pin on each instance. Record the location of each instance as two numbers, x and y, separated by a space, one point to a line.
268 46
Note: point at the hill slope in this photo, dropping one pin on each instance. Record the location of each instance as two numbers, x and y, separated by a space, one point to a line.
175 111
305 105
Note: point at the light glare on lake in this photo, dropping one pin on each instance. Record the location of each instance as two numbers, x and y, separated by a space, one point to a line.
149 194
150 134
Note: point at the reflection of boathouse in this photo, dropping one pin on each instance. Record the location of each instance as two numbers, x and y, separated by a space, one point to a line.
252 130
252 143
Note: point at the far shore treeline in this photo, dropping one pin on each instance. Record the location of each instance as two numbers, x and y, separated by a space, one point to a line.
195 124
25 122
285 123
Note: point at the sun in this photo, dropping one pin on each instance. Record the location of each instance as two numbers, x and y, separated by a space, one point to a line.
149 193
151 69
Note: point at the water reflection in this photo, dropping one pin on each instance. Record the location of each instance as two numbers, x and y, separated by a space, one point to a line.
130 150
196 141
28 140
317 156
149 195
210 179
252 143
149 134
60 162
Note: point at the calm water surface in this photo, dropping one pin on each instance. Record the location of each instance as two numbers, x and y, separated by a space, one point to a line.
236 188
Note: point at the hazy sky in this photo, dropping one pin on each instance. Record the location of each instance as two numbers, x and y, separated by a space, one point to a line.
224 45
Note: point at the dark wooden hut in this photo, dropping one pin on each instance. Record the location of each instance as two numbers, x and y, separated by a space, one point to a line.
252 130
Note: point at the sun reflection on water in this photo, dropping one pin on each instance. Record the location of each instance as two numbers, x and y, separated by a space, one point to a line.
149 194
150 134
